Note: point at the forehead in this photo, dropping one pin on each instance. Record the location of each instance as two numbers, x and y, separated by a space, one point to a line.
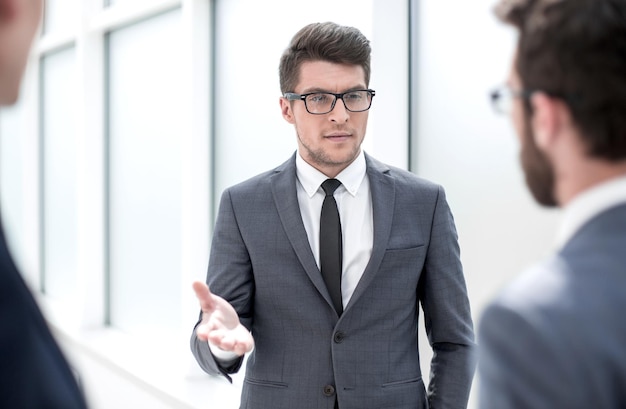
329 76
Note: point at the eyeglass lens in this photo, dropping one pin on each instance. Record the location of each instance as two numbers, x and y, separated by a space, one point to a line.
502 100
322 103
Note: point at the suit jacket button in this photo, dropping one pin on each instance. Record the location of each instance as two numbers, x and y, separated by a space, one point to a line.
329 390
339 337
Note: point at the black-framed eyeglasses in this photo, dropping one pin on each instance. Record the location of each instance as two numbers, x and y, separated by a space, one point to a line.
502 98
320 103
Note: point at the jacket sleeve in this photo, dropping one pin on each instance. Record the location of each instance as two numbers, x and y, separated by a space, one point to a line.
229 275
447 316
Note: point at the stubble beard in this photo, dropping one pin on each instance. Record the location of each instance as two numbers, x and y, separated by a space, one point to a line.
322 159
538 169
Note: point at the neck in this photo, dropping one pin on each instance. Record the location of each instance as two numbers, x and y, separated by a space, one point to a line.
329 169
585 175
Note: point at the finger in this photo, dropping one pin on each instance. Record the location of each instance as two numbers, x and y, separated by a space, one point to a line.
231 344
239 349
240 341
246 344
207 303
242 348
202 333
222 340
227 343
203 330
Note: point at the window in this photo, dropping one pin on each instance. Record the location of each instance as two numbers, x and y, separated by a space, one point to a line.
145 173
58 154
60 16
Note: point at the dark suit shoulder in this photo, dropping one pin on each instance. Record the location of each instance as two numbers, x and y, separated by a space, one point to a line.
570 319
600 241
564 299
536 288
34 372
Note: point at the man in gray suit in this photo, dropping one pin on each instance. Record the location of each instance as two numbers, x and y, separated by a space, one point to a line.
556 337
350 343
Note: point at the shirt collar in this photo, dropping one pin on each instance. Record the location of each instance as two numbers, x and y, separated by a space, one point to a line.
588 204
351 177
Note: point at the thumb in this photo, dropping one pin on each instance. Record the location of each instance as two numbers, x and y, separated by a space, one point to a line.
207 303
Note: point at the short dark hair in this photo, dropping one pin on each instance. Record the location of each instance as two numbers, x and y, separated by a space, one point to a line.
576 50
323 42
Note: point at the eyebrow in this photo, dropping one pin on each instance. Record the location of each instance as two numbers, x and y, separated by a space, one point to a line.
317 89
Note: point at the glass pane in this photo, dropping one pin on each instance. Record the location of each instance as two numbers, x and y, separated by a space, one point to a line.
145 174
59 15
59 172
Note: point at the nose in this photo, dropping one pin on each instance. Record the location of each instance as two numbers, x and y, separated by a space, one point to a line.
339 113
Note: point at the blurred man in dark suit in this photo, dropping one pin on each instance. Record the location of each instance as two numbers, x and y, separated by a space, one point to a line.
556 337
33 372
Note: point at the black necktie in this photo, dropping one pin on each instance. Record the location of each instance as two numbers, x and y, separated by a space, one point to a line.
330 244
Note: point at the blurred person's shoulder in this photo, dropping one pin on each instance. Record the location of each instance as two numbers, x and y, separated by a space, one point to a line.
540 288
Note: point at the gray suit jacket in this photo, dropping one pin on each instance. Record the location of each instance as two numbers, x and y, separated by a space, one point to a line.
305 355
557 337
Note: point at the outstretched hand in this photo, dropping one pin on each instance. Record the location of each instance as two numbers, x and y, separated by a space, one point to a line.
220 323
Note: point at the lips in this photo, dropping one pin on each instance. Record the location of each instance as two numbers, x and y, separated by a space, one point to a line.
338 136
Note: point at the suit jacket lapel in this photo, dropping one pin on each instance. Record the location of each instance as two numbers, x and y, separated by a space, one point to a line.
383 191
285 195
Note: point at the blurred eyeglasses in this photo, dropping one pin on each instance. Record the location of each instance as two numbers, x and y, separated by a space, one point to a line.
502 98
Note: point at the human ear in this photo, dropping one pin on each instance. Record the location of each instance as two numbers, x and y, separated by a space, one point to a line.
545 119
285 108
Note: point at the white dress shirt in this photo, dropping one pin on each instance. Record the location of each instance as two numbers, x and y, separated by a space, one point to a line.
354 203
589 204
